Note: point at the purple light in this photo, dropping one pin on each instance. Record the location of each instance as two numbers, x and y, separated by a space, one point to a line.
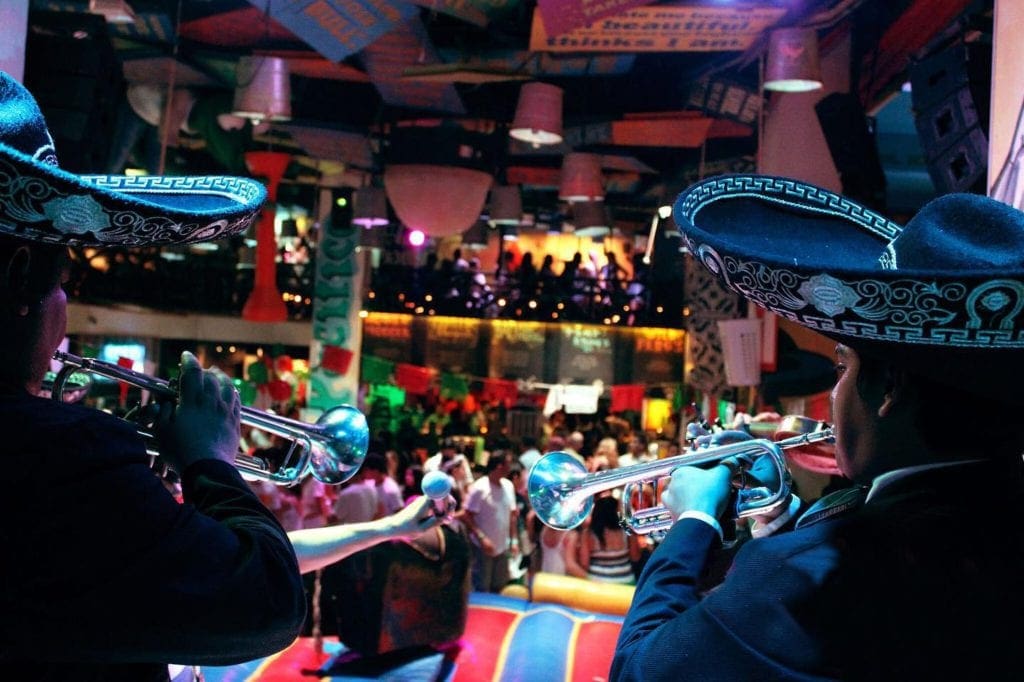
417 238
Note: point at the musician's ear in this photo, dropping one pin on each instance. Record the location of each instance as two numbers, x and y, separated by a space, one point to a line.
897 389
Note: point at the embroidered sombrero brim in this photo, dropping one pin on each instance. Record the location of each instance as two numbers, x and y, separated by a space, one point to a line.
817 258
951 279
41 202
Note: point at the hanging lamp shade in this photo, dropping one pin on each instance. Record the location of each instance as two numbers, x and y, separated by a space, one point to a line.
264 303
581 178
591 219
506 206
538 118
793 61
440 201
370 207
263 89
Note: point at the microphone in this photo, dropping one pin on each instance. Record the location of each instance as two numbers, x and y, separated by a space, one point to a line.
437 485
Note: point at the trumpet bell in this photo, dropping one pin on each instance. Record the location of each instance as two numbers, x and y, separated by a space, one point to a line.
552 483
337 457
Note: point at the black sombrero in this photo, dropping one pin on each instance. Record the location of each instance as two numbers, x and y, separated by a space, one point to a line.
41 202
943 293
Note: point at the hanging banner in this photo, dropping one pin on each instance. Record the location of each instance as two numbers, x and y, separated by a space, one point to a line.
337 298
662 29
339 28
585 354
516 350
564 15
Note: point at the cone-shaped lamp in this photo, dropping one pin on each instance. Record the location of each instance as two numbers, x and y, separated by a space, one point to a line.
793 61
264 303
264 89
538 118
581 178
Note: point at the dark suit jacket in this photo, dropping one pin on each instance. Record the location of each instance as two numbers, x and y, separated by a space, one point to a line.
922 582
107 577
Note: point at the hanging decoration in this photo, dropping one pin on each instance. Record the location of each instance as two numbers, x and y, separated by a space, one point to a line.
413 379
627 397
437 177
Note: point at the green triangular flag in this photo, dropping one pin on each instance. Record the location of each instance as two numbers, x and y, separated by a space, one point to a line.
454 386
376 370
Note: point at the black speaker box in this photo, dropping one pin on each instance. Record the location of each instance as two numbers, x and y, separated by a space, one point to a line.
962 166
76 77
850 135
950 94
952 118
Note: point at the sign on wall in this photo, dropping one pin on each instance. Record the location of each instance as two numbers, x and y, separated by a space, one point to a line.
658 356
662 29
339 28
516 350
451 344
586 354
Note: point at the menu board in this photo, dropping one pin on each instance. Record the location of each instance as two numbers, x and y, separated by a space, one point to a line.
387 336
517 349
585 354
451 345
658 356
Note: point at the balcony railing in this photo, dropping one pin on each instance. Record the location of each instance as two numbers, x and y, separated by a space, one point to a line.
215 282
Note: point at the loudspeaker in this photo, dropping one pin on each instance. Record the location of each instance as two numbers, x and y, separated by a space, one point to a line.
74 74
962 166
850 135
950 94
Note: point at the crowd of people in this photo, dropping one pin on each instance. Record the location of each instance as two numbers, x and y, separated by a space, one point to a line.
590 288
490 504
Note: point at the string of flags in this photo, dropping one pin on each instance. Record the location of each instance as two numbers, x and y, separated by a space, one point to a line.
573 398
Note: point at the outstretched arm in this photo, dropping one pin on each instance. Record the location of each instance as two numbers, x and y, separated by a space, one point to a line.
319 547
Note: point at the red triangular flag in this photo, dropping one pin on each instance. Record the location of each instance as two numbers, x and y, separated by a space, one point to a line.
412 378
627 397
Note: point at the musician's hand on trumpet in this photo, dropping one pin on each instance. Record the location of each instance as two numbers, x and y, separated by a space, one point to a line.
204 421
693 489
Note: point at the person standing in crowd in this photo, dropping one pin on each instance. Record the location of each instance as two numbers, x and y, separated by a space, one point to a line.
636 450
106 575
357 500
607 553
908 574
449 450
388 492
574 443
489 513
530 454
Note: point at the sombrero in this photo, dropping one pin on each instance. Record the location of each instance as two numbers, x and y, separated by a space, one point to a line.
41 202
942 294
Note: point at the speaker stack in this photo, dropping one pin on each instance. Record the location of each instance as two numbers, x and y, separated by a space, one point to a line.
950 95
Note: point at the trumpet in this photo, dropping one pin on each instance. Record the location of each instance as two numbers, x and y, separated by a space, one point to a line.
332 449
561 490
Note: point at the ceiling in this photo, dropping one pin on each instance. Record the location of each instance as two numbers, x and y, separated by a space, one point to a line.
389 63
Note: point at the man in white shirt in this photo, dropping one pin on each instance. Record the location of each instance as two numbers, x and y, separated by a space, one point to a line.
389 494
490 517
357 499
449 449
